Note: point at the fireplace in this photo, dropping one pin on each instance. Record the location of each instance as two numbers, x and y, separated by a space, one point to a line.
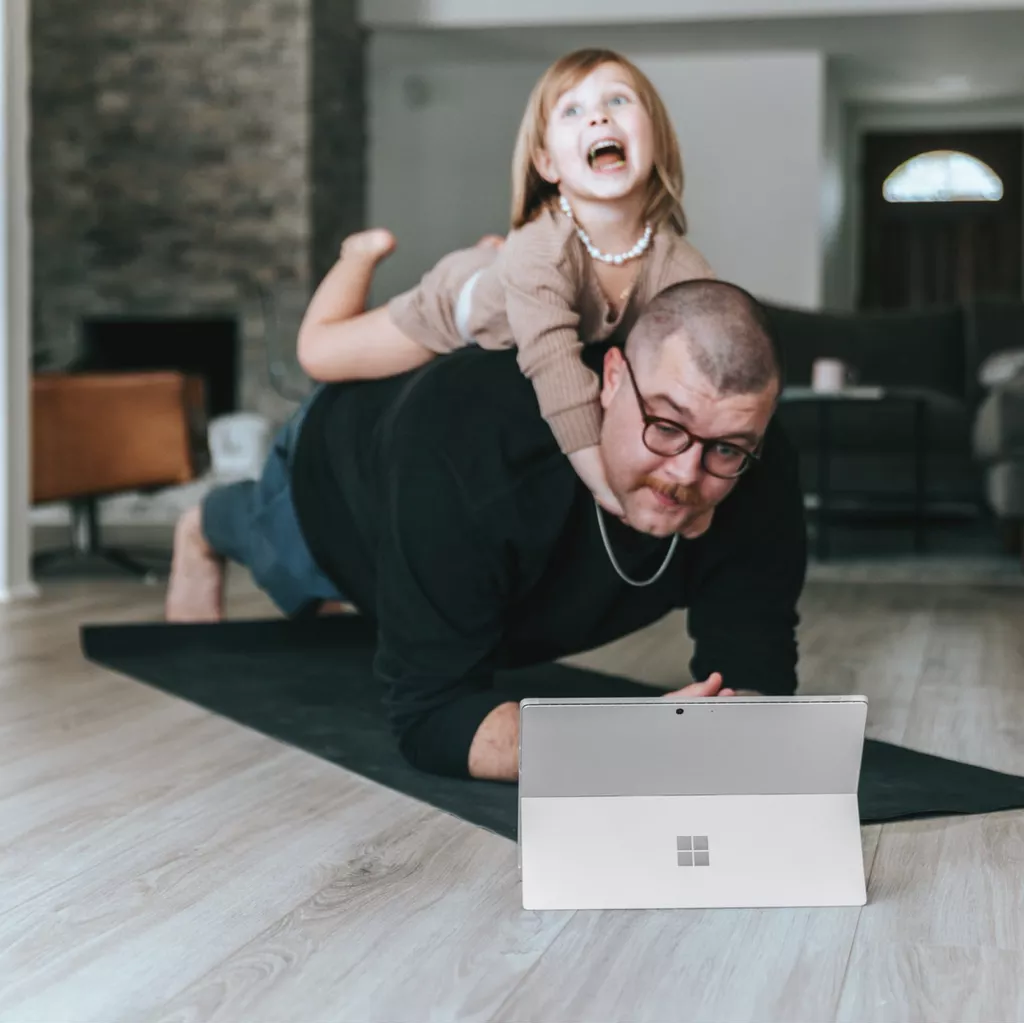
206 347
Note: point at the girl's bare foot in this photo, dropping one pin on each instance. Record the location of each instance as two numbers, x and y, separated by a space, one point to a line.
195 592
371 246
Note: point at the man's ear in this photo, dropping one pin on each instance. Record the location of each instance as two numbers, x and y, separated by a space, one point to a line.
545 167
614 371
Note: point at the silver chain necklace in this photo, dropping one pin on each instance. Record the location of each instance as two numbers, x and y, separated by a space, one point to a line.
615 564
639 248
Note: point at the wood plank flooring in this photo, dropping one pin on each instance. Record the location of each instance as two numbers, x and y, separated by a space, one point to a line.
159 863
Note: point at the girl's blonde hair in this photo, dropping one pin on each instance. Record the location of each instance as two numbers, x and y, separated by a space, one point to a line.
530 192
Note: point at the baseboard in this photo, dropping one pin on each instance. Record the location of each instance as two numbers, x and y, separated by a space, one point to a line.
159 535
22 592
983 571
136 508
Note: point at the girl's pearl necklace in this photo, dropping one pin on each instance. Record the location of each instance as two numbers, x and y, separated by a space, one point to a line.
617 258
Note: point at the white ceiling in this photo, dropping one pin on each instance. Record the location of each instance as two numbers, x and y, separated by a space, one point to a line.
925 58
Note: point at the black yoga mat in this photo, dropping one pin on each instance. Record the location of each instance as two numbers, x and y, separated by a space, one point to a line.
309 683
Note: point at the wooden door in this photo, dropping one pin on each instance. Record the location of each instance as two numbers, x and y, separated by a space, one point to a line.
919 254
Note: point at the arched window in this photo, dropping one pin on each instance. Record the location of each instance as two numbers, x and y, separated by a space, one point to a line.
943 176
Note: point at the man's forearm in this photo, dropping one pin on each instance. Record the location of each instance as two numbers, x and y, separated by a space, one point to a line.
494 752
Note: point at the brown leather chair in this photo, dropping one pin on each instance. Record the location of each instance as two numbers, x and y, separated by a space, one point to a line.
98 434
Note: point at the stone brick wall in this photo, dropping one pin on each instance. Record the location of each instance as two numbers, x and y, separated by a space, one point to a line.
175 169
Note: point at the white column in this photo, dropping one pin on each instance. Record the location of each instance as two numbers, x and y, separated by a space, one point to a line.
15 320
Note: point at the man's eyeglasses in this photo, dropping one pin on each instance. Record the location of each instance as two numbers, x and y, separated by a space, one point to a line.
667 438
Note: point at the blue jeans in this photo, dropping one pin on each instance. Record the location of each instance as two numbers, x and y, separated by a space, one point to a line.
254 523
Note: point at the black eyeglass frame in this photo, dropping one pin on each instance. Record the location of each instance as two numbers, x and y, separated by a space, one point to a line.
690 438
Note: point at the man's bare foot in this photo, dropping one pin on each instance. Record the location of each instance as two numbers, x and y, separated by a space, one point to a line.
195 592
372 245
490 242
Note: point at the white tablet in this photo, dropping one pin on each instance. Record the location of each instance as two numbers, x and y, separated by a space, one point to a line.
707 802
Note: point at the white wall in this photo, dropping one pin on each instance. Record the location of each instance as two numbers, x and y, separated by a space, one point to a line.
441 133
475 13
442 129
15 264
751 131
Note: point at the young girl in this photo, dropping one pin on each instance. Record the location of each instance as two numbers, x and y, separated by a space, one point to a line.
597 231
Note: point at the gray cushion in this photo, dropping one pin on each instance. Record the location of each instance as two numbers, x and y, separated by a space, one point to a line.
1004 485
999 425
991 325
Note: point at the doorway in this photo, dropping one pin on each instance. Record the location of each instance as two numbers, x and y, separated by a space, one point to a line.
941 218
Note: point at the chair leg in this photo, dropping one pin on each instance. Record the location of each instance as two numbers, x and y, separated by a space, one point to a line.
85 526
120 558
86 546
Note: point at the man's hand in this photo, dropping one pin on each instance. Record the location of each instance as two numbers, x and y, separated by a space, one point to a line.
711 687
494 752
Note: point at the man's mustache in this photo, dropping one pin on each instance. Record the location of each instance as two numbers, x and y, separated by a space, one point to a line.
684 494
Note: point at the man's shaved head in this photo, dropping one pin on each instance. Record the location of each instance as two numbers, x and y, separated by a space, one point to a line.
700 365
724 329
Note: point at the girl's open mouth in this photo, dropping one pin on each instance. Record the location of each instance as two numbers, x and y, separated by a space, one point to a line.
607 155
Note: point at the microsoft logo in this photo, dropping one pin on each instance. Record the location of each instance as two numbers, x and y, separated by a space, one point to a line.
692 851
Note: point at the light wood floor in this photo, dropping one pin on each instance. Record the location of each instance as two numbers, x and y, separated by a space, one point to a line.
158 863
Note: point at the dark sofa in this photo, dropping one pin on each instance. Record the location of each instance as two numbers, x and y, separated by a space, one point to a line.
940 350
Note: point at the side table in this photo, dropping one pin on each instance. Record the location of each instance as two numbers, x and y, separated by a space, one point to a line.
825 401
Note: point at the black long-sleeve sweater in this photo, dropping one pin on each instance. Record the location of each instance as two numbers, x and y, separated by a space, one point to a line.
439 503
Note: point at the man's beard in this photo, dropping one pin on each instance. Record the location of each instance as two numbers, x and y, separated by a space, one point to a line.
687 495
696 512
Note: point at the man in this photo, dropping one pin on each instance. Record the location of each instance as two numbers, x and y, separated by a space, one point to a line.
439 504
